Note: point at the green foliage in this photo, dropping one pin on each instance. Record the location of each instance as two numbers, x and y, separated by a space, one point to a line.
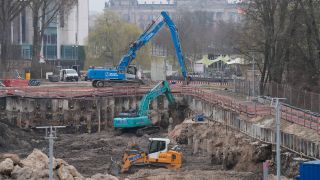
109 40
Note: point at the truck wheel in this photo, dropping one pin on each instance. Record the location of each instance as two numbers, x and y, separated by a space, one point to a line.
94 83
99 84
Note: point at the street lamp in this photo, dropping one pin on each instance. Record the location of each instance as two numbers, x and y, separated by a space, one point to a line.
253 71
276 103
75 54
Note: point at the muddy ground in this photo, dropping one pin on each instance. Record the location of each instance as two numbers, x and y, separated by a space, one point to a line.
231 155
91 154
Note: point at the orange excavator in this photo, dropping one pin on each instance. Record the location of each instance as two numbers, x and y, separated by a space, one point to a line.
159 155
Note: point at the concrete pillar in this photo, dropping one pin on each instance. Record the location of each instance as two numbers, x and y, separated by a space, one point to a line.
104 114
126 103
160 103
130 102
55 105
99 115
111 109
89 122
170 128
135 102
193 104
203 146
195 145
64 105
206 109
154 116
155 104
19 119
165 104
190 135
27 122
209 147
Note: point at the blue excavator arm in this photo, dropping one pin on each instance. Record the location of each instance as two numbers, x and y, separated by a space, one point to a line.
146 36
142 40
160 89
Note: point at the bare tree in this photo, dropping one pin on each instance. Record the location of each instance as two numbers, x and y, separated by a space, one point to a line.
268 31
309 47
286 35
9 10
43 13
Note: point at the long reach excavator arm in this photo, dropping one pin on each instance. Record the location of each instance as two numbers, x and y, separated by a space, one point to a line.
103 77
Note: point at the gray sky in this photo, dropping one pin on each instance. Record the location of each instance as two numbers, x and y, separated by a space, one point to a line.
96 5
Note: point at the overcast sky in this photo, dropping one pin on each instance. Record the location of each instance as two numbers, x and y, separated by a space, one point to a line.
96 5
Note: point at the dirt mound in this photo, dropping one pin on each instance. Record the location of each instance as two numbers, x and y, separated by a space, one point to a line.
35 166
231 151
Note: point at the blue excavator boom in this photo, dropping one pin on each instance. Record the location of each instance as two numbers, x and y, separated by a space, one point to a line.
102 77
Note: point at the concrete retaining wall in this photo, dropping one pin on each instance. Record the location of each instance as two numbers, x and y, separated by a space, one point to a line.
231 119
85 113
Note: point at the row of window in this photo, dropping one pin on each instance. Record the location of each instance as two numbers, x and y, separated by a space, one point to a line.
50 52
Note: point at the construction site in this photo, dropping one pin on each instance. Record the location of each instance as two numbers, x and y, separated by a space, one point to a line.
232 141
128 122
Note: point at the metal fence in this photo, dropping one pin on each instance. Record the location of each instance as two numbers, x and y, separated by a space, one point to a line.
294 97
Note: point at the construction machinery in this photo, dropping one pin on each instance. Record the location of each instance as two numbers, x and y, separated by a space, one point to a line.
69 75
198 117
159 155
139 119
125 72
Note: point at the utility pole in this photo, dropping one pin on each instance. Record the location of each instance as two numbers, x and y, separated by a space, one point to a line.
253 73
51 135
275 102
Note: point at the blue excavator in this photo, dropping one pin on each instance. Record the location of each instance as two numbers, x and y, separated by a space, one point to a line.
139 119
126 73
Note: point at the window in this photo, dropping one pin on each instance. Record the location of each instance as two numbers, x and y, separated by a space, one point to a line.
71 71
219 15
53 39
50 39
157 146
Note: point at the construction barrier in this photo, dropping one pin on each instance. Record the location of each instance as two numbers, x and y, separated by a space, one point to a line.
15 82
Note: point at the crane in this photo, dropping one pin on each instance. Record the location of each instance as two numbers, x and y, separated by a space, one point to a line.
125 72
139 118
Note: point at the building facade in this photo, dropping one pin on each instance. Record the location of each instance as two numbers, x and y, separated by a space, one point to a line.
141 12
64 38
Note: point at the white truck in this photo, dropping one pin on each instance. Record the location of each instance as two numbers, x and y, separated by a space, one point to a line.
69 75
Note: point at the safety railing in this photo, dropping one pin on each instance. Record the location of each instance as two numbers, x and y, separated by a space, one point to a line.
291 114
250 109
224 84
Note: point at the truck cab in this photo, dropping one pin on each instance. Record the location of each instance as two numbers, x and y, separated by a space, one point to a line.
69 75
